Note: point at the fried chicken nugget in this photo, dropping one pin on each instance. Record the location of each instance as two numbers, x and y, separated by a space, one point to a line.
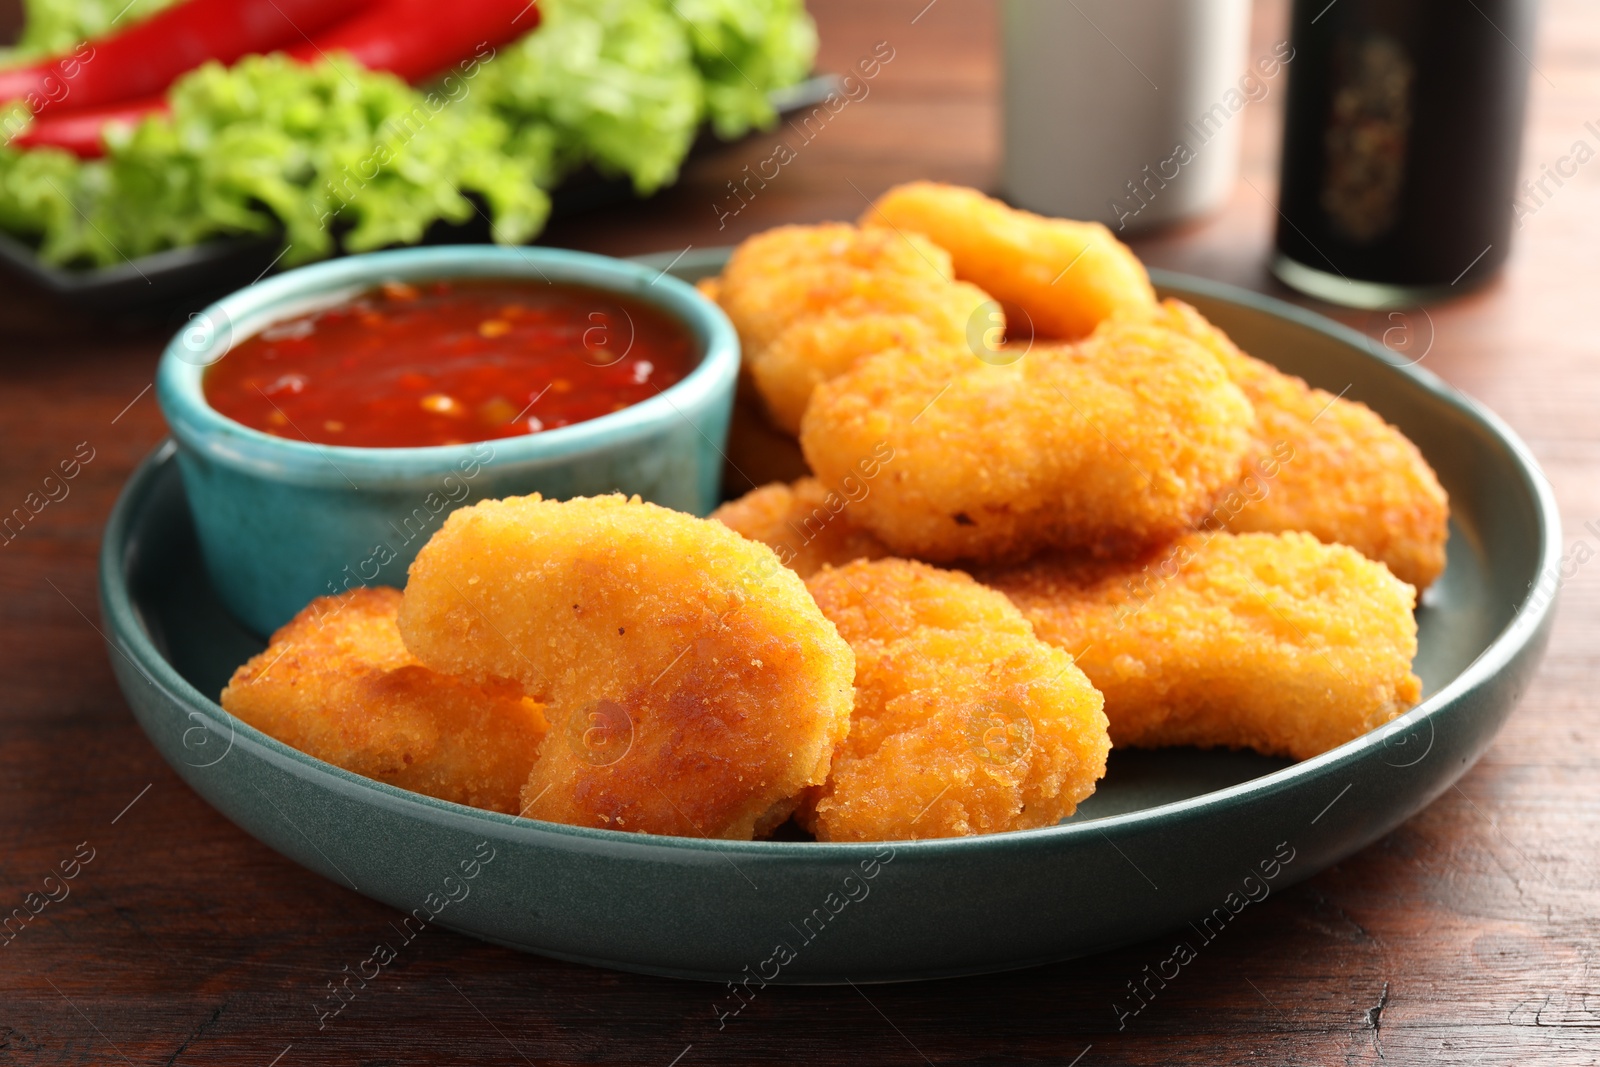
1066 276
1328 466
1275 642
790 272
1118 442
822 347
964 722
691 683
809 301
337 683
804 523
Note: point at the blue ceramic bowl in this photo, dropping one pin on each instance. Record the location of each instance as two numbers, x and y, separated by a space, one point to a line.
282 521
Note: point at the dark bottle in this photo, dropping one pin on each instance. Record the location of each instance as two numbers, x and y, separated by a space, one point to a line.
1402 137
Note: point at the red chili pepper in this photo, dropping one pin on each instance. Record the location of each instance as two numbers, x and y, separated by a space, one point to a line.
83 132
411 38
417 39
144 59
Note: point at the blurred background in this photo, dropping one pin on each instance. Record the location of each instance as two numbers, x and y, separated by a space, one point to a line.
1047 103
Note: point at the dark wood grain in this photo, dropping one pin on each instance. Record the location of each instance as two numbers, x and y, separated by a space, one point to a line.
1471 935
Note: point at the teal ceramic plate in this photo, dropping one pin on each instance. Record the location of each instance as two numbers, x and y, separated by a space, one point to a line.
1171 838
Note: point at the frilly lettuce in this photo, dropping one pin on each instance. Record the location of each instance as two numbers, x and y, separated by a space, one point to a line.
745 49
272 145
333 154
612 79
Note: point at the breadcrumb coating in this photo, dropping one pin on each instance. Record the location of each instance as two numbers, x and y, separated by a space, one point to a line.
809 301
1112 444
789 272
964 722
337 683
1274 642
819 348
1064 277
691 683
805 523
1329 466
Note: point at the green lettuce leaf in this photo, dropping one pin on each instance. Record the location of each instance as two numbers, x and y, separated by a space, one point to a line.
331 155
269 145
615 82
745 49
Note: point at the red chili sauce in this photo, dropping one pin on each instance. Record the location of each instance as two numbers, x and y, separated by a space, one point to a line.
442 363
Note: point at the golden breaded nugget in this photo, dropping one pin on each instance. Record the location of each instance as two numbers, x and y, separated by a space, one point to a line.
808 301
691 684
1067 276
964 722
1328 466
1112 444
1275 642
790 272
785 248
337 683
821 347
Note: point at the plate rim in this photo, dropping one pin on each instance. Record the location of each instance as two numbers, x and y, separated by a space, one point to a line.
129 638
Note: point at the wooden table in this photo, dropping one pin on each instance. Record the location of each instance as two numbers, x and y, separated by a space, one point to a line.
1468 936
